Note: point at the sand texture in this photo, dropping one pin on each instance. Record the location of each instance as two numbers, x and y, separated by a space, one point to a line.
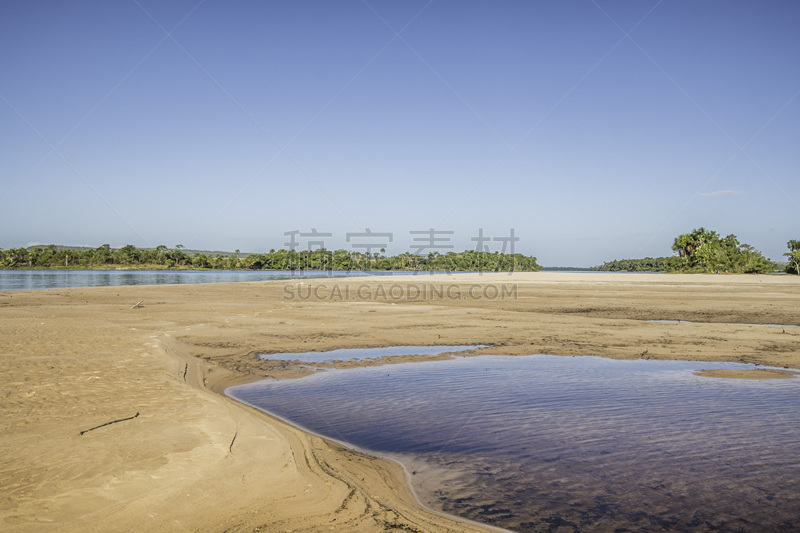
195 460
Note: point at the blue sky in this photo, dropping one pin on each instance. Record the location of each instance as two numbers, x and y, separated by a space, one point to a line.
596 130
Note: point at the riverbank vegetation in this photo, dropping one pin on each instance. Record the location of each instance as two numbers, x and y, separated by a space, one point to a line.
161 257
705 251
701 250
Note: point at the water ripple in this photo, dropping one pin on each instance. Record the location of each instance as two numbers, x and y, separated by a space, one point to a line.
541 443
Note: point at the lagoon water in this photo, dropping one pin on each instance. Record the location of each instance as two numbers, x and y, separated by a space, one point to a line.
346 354
15 280
546 443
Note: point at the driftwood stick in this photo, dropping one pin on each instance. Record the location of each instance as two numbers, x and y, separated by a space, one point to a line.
138 304
112 422
230 448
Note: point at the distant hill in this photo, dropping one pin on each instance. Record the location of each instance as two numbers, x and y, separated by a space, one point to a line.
61 247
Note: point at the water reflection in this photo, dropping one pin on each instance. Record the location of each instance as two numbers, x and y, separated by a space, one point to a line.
543 443
14 280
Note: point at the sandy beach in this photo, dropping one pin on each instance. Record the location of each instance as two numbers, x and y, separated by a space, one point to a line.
181 456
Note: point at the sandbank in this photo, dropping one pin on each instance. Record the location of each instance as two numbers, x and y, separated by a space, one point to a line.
73 359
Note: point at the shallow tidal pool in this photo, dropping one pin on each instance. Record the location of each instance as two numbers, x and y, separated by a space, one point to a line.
348 354
547 443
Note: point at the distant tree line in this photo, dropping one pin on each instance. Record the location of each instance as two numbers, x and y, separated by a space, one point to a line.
648 264
705 251
161 257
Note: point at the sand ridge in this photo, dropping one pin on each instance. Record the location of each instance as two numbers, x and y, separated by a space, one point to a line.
195 460
755 373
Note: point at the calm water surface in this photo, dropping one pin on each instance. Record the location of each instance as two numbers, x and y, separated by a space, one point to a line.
545 443
345 354
16 280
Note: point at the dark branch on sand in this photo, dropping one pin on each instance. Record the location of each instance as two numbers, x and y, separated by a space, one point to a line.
112 422
230 448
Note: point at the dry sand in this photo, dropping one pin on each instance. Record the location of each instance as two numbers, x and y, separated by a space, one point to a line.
73 359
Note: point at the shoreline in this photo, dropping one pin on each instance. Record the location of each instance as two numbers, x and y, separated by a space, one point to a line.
198 460
376 456
219 386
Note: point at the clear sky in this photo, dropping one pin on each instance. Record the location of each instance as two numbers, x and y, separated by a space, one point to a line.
595 130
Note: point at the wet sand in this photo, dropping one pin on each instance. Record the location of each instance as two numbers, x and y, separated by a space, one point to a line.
73 359
756 373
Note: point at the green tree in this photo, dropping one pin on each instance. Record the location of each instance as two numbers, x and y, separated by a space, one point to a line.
200 261
794 257
704 251
161 252
178 257
102 255
254 262
128 255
